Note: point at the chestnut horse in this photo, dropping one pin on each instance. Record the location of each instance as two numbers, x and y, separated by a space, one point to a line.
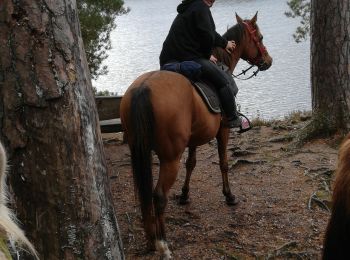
161 111
337 239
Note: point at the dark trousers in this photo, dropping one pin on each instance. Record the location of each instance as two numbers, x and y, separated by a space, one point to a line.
224 84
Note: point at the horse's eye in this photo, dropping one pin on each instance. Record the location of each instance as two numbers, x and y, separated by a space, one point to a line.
261 38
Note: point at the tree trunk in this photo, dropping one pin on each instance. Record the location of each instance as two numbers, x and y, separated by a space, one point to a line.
330 64
49 123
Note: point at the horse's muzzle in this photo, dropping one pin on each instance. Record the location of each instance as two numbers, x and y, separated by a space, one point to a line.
265 65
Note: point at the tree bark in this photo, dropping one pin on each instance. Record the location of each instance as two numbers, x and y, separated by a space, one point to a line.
330 64
49 123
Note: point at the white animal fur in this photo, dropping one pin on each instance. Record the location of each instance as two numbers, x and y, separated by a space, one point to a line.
8 221
163 248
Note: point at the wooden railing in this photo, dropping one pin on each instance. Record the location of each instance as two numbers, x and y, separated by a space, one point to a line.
108 112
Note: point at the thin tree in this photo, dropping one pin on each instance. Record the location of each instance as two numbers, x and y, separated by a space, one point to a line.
49 124
301 9
97 19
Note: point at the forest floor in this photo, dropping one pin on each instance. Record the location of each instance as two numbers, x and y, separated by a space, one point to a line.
284 195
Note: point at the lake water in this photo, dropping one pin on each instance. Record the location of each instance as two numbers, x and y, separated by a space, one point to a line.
285 87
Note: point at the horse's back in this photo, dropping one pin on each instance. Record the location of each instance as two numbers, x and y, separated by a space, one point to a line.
160 82
172 102
180 115
170 93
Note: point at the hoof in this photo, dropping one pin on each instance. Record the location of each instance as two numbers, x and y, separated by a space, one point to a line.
184 200
151 246
231 200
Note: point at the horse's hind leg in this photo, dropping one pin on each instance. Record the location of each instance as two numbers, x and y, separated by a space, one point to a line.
222 139
167 176
190 164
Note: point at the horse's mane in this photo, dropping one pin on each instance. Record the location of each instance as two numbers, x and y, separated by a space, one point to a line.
8 221
234 33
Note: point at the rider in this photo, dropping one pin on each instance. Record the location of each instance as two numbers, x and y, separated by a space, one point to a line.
192 36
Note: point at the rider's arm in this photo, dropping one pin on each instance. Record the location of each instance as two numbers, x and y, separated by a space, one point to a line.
220 41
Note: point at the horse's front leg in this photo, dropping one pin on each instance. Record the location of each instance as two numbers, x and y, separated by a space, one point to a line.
222 139
190 164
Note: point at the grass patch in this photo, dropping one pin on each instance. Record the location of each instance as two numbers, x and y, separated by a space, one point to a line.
261 122
293 117
298 116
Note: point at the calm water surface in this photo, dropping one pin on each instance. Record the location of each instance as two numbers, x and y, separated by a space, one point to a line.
284 88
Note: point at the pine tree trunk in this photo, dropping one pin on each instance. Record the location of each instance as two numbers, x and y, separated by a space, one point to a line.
330 63
49 123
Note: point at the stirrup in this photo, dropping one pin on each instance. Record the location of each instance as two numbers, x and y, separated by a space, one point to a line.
245 125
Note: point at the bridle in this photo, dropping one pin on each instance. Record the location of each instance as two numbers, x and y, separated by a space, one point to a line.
261 48
261 51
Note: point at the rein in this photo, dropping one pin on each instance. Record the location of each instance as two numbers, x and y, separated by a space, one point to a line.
244 72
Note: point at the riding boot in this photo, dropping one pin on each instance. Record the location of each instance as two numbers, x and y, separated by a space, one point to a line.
229 107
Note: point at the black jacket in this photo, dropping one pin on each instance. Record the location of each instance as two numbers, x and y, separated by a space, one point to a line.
192 34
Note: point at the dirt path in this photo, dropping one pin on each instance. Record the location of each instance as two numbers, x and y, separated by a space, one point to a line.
282 195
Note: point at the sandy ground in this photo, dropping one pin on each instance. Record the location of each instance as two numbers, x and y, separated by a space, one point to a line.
283 196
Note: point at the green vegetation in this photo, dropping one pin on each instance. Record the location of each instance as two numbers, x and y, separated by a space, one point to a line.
104 93
300 8
97 20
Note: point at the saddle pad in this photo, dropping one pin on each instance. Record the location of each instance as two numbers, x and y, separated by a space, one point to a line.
209 96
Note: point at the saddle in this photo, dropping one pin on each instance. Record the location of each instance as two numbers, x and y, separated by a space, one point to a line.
191 70
209 96
208 93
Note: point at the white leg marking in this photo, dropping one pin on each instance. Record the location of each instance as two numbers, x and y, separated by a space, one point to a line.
163 248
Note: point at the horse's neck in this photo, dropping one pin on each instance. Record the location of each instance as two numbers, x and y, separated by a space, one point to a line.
230 60
235 56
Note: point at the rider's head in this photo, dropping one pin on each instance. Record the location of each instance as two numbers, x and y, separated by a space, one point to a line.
209 2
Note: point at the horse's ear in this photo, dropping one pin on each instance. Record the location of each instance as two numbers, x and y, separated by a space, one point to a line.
254 19
239 19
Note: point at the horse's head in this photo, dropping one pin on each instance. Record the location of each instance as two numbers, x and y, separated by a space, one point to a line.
253 49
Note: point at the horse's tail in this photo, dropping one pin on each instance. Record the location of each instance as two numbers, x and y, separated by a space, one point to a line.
142 125
8 221
337 237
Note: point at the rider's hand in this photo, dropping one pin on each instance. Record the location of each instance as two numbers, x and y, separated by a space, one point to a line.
213 59
231 45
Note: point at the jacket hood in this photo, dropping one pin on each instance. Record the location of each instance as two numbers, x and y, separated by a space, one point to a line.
184 5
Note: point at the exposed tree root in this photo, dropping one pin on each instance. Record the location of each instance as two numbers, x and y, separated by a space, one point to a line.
318 126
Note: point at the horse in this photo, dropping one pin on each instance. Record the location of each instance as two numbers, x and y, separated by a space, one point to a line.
162 112
337 238
8 222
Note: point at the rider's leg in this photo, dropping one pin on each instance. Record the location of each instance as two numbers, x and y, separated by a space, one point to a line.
221 81
228 104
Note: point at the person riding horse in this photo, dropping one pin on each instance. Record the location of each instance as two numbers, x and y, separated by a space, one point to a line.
192 37
162 112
